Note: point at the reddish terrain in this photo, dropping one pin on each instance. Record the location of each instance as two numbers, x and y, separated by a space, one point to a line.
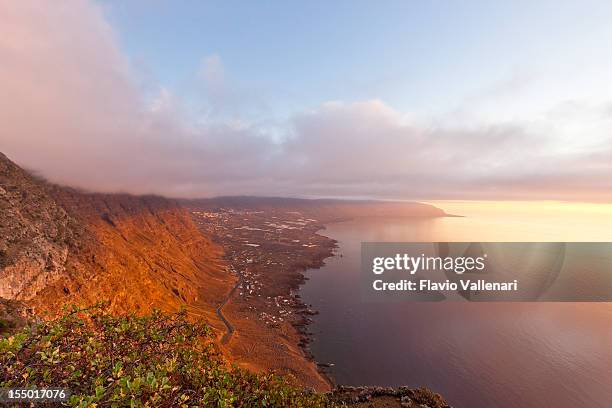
62 246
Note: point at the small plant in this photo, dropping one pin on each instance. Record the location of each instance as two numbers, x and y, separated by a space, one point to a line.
157 361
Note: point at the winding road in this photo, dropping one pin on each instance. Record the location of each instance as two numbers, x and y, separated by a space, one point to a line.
229 328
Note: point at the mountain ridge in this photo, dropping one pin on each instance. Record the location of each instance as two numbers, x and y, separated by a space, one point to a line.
59 245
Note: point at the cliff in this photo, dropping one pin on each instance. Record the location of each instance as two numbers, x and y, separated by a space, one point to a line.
59 245
36 234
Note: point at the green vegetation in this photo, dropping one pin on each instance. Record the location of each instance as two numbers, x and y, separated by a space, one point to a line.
156 360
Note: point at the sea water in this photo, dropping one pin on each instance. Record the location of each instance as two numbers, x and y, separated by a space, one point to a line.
474 354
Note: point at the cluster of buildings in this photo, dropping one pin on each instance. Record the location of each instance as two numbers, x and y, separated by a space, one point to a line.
264 249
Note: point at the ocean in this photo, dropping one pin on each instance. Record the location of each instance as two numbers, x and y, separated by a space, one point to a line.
486 355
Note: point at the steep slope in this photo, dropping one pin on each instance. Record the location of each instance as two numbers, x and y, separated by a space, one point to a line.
35 234
59 245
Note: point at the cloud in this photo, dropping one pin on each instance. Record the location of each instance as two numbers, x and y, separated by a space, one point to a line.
71 110
368 149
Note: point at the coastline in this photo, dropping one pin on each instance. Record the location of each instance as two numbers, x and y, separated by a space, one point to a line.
268 250
265 317
303 329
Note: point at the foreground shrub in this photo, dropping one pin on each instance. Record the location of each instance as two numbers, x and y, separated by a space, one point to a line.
156 360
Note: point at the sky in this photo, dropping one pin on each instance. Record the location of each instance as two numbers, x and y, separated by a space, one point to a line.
473 100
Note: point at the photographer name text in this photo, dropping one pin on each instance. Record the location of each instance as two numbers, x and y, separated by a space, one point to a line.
413 264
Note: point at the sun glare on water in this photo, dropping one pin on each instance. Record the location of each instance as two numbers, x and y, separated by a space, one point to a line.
521 221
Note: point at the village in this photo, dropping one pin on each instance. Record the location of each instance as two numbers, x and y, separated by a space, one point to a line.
268 251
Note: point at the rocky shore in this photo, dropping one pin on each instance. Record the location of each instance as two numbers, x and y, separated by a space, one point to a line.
269 251
403 397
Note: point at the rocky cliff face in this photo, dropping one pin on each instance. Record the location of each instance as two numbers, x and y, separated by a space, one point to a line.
35 234
59 245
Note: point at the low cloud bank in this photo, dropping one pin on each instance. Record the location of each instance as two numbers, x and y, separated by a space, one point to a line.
71 110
